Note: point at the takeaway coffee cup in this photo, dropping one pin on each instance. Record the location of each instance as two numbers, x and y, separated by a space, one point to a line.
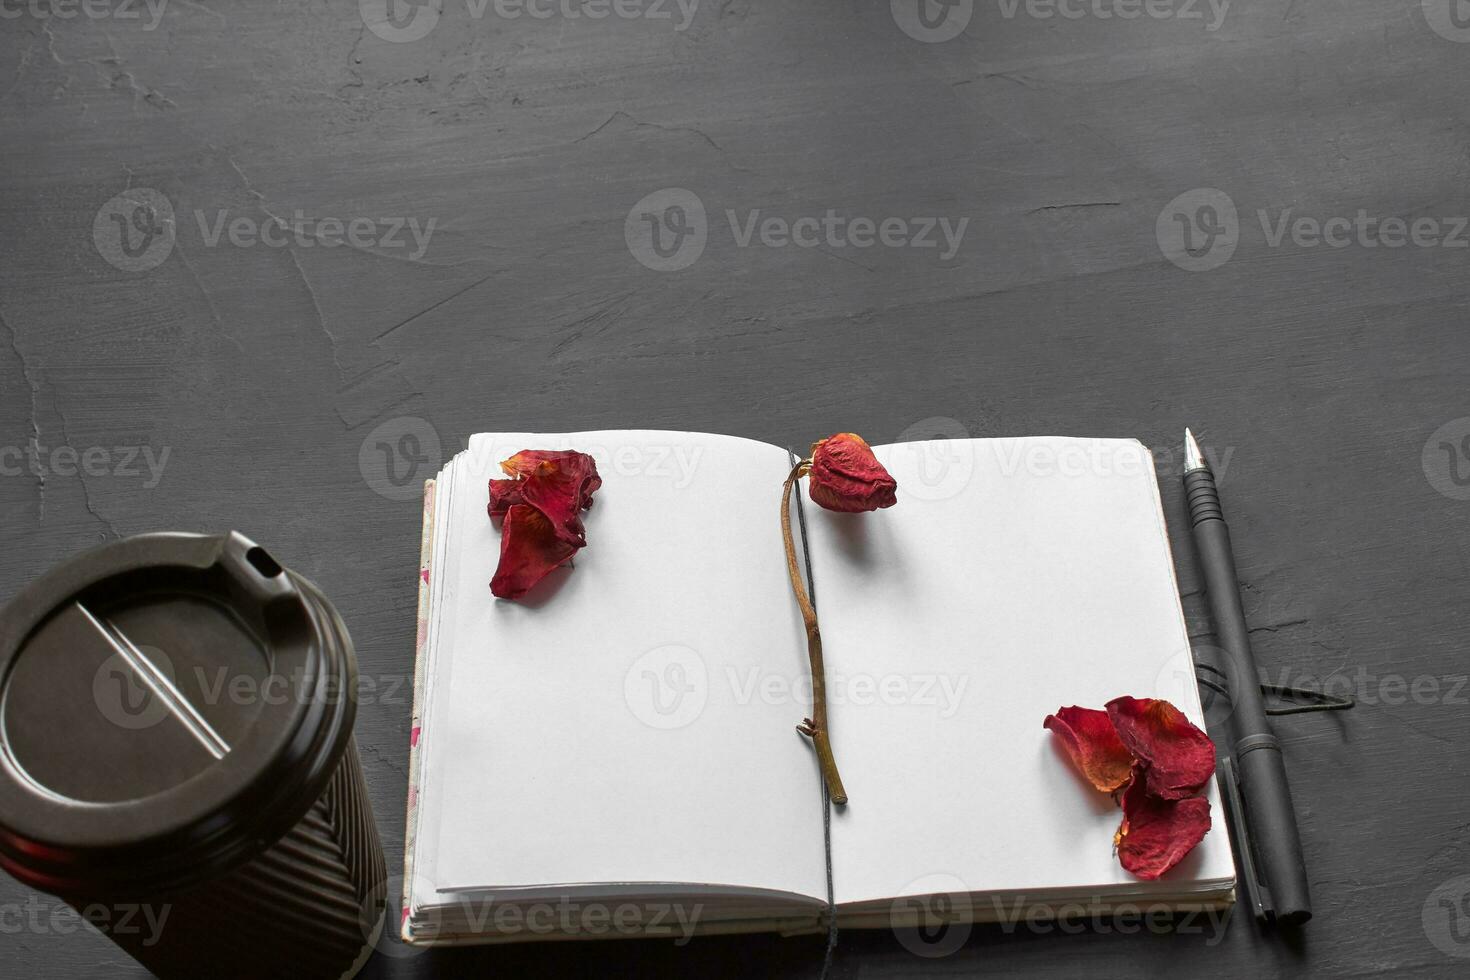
177 763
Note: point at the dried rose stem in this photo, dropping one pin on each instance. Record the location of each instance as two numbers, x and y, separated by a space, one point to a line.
814 727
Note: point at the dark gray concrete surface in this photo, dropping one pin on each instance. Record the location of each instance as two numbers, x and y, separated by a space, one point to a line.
1330 373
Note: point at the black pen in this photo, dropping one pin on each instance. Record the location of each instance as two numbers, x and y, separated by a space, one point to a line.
1270 831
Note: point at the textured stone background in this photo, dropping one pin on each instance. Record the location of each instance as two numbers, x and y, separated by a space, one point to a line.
1332 376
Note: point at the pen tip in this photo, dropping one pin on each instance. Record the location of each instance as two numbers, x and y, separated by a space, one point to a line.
1193 458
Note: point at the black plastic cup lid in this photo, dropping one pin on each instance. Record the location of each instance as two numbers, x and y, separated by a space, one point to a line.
170 705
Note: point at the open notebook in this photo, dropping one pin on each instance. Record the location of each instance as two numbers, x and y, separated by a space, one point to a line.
616 755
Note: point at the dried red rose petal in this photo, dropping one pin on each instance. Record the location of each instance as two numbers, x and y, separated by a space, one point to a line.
1177 757
559 484
541 507
504 494
558 495
846 476
1094 746
529 550
1156 834
529 462
576 469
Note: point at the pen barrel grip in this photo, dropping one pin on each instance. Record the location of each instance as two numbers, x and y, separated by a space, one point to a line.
1222 591
1272 824
1204 499
1269 815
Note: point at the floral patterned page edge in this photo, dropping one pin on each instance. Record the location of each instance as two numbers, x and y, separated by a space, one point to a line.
410 830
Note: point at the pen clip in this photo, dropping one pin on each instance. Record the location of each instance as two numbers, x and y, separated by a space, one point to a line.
1291 700
1299 700
1257 894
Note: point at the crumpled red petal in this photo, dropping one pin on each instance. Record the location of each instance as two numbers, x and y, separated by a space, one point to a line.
558 495
576 468
1177 757
529 550
1094 746
503 495
559 484
1156 834
529 462
846 476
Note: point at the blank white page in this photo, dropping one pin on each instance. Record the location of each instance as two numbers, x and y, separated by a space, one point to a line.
1013 576
605 730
